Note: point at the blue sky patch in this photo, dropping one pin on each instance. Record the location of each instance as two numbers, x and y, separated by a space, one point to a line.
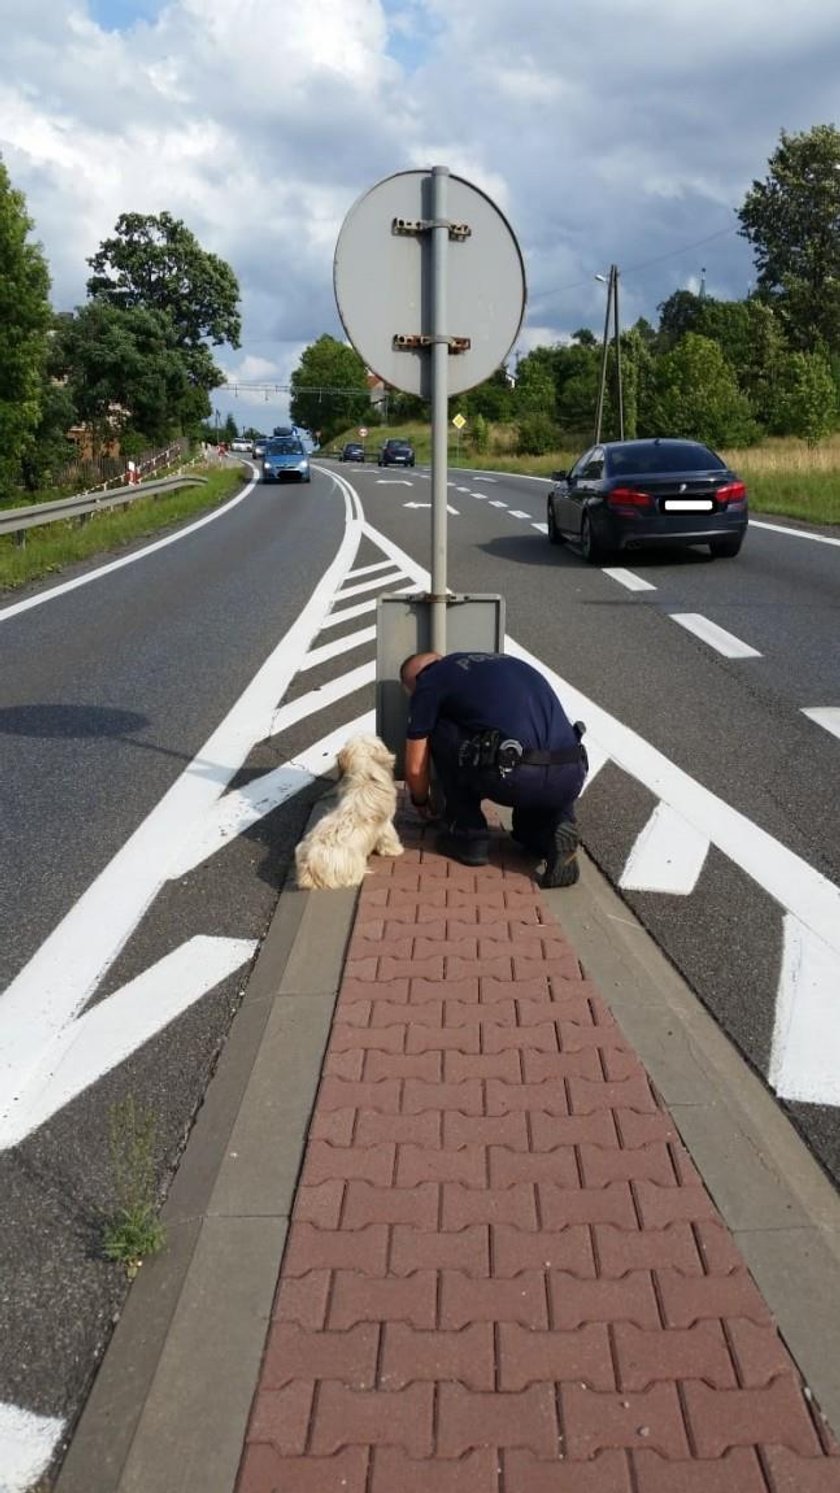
121 15
412 32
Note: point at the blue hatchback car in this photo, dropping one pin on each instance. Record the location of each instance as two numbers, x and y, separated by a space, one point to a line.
284 457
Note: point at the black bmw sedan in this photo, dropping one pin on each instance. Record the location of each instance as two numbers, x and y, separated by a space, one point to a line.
630 494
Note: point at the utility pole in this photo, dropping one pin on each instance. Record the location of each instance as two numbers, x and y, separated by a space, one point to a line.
611 282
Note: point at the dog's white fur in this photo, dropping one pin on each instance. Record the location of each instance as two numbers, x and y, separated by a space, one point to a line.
336 850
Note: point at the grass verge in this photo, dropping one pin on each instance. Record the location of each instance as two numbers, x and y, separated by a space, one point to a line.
55 545
132 1231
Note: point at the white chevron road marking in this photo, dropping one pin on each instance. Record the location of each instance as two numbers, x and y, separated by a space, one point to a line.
27 1443
668 855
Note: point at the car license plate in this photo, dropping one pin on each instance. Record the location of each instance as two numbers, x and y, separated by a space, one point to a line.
688 505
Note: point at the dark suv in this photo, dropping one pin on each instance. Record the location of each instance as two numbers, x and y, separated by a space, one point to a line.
396 454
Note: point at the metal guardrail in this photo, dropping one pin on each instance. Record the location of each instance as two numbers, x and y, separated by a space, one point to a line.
18 520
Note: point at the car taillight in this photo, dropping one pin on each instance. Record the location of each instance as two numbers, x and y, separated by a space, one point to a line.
628 497
733 492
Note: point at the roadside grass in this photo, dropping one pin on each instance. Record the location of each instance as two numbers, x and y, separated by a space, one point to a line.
131 1229
785 477
55 545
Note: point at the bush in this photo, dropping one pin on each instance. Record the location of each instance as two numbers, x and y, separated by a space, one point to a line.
537 434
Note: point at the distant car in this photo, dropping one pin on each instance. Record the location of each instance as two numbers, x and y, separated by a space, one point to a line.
285 458
352 451
240 443
629 494
258 445
396 453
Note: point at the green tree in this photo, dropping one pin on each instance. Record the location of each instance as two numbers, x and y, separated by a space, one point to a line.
696 396
124 370
230 430
25 320
329 388
807 398
536 391
155 263
792 220
51 449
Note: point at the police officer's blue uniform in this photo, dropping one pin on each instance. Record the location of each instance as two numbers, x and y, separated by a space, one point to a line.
460 696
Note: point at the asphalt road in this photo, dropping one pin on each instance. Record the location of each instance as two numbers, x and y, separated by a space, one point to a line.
113 695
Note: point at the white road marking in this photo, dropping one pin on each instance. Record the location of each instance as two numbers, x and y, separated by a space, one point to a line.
518 513
628 578
95 575
717 637
327 651
805 1051
482 496
393 482
368 569
318 699
800 890
237 811
794 533
497 503
27 1443
111 1031
449 507
668 855
336 618
375 585
462 489
597 758
827 716
63 974
543 528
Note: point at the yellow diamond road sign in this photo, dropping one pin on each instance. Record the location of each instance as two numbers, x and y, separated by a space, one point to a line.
459 422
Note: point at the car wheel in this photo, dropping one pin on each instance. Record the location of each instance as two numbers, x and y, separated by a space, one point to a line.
589 547
554 534
726 549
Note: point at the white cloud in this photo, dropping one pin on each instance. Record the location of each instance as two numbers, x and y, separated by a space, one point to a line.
607 130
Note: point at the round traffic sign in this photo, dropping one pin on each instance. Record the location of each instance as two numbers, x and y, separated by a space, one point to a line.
363 431
381 278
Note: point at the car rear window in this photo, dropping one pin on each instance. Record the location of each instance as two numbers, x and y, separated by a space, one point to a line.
285 448
662 456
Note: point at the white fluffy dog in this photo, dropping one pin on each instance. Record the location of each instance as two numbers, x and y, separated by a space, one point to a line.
335 851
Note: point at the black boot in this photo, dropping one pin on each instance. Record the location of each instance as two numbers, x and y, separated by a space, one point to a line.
471 848
561 865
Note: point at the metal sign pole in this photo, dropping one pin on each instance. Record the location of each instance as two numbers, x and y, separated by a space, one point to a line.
440 377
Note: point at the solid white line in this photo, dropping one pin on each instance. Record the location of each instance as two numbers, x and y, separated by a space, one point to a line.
115 1028
381 580
332 650
628 578
717 637
543 528
149 549
27 1443
237 811
827 716
668 855
368 569
497 503
318 699
60 978
794 533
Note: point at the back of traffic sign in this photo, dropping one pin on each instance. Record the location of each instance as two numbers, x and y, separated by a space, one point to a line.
383 282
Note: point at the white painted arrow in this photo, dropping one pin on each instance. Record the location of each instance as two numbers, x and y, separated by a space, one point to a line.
109 1033
449 507
27 1443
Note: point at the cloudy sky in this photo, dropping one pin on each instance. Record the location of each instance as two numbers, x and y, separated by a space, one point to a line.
606 130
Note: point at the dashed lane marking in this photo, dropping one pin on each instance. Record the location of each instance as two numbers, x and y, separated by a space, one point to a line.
517 513
717 637
541 528
497 503
628 578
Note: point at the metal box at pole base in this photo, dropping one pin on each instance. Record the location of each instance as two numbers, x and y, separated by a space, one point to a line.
474 624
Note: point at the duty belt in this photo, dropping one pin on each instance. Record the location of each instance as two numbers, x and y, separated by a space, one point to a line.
491 749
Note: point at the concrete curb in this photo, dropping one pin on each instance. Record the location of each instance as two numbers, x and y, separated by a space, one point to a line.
170 1405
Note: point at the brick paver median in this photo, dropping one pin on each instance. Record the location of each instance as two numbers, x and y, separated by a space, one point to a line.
504 1274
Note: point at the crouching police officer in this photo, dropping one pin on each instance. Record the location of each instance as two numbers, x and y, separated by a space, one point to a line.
494 729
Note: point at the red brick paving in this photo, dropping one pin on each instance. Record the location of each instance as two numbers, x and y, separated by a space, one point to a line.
503 1274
